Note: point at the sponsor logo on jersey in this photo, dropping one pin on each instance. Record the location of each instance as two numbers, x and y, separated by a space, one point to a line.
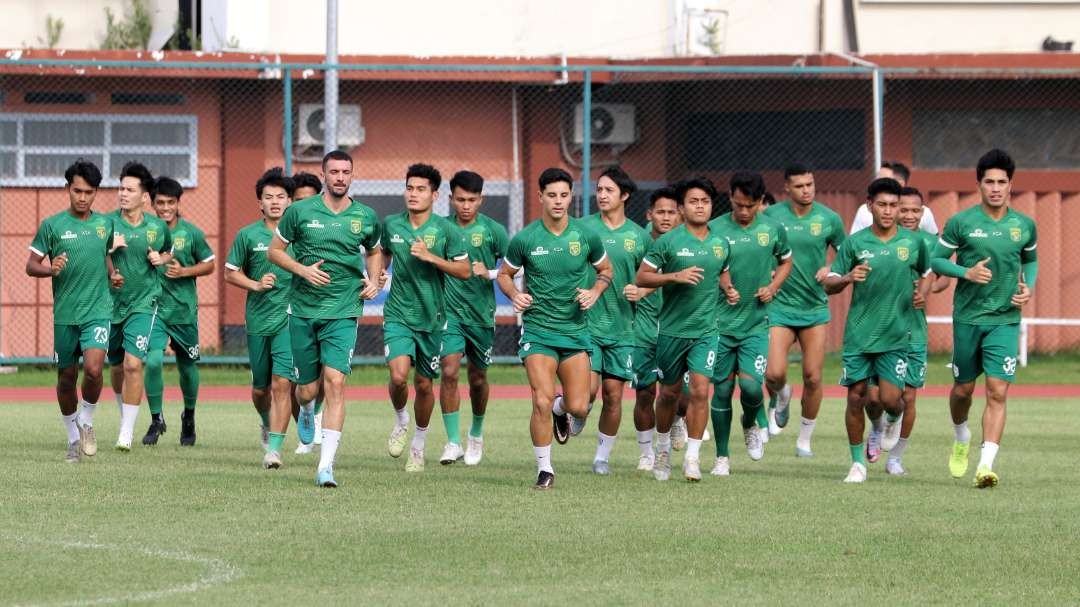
718 251
68 235
315 223
575 248
355 226
261 247
397 239
903 253
151 236
179 243
429 240
685 252
476 239
763 239
978 233
101 232
539 250
815 229
864 254
1015 234
629 244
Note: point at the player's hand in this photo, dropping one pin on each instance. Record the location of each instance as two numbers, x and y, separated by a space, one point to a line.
979 273
266 282
116 279
173 269
154 257
632 293
586 298
118 242
1022 295
765 294
821 274
860 272
58 263
371 289
384 277
731 294
314 274
420 251
479 269
690 276
521 302
918 300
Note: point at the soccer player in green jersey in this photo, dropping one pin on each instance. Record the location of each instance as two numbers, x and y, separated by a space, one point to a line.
470 317
997 265
611 320
555 252
266 320
329 236
663 215
142 244
77 242
306 185
879 261
760 263
178 311
690 264
800 311
423 248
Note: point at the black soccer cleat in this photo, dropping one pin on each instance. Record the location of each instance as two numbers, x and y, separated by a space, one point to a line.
156 429
187 428
560 426
544 481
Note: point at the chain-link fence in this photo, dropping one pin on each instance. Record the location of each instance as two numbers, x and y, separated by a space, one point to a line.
217 126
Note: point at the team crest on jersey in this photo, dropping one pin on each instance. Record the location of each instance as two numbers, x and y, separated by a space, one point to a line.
629 244
355 226
179 243
575 248
1015 234
815 229
763 239
101 232
429 240
902 253
718 251
151 236
476 239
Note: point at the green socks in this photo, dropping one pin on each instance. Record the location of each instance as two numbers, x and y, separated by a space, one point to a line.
189 381
720 411
858 455
154 381
477 428
453 427
265 417
276 440
751 397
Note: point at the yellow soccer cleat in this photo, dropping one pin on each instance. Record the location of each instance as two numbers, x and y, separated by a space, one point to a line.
985 478
958 461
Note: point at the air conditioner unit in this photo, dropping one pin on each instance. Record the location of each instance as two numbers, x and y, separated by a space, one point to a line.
310 130
612 124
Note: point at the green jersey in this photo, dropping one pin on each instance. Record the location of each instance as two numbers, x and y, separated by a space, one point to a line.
265 311
340 240
808 236
755 251
81 290
918 317
416 297
472 301
881 305
1009 243
179 304
613 315
687 310
556 266
142 283
647 311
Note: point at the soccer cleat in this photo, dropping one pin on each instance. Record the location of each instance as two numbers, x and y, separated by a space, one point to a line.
754 446
894 468
474 450
415 463
325 478
601 467
691 469
763 435
545 480
577 424
318 428
305 424
264 435
662 466
722 467
985 478
451 453
271 460
156 429
74 453
873 447
783 406
88 440
395 445
645 462
123 444
678 434
857 474
187 428
774 429
303 449
560 427
892 433
958 461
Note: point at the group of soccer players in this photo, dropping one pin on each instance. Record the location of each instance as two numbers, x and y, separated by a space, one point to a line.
689 302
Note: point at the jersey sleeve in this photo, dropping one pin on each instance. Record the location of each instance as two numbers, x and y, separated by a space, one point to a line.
596 247
43 240
950 236
1028 253
455 243
837 235
166 240
287 226
845 258
515 251
500 240
657 255
201 248
781 248
237 254
374 240
922 264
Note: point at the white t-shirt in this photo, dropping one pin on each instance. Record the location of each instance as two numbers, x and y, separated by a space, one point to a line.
863 219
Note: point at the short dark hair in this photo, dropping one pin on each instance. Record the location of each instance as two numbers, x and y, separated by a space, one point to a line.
910 191
140 172
700 183
750 184
304 180
898 168
85 169
276 177
664 192
883 185
995 159
625 184
768 199
553 175
469 181
425 171
796 169
336 155
167 186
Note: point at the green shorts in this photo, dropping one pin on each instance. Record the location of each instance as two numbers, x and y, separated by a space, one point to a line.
885 366
270 355
423 348
612 358
677 355
747 355
644 366
792 319
472 341
990 349
317 342
138 335
185 340
551 344
70 341
916 366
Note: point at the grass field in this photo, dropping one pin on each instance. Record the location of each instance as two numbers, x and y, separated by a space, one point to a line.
206 525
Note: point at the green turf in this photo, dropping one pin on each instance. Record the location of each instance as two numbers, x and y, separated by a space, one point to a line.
207 525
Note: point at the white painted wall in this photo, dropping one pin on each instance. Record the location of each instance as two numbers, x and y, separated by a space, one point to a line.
84 21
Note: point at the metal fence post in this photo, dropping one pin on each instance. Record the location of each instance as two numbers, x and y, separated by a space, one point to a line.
586 140
287 125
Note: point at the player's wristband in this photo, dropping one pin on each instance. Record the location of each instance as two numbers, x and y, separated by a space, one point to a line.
492 274
604 278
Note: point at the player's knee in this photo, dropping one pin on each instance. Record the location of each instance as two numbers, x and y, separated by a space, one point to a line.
334 382
750 391
963 390
259 393
477 378
811 380
132 365
996 393
66 378
399 378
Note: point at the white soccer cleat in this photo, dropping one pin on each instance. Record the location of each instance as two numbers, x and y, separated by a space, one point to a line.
678 434
894 468
763 434
451 453
645 462
74 453
774 430
123 443
474 450
271 460
395 445
303 449
722 467
662 466
318 428
892 433
416 461
691 469
264 434
87 439
857 474
754 445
